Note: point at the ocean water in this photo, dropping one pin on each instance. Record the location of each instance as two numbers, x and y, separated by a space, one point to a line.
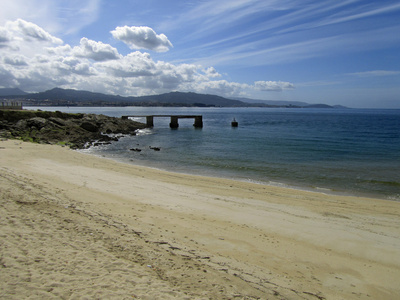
344 151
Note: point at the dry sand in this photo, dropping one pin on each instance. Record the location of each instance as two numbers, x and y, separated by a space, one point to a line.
75 226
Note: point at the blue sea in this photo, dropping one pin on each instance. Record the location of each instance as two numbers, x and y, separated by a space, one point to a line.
340 151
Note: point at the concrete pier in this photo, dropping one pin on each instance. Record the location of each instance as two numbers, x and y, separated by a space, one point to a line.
198 119
174 122
11 105
150 121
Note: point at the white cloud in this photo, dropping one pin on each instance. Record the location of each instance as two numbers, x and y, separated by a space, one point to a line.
15 60
273 86
142 37
95 50
24 38
32 60
175 76
5 37
60 50
134 64
30 32
218 87
211 72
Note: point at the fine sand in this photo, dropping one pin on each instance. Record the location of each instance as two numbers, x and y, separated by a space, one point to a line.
75 226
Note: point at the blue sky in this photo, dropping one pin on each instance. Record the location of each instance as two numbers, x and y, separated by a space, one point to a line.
332 52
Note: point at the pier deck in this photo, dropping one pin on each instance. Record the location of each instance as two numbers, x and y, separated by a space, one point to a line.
198 119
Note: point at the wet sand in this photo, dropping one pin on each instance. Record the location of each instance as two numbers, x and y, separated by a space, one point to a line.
78 226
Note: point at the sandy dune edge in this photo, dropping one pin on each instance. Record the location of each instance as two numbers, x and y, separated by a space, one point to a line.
75 226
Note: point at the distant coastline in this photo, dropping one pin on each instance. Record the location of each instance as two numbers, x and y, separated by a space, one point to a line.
69 97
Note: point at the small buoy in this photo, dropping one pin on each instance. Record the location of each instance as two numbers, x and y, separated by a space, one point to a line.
234 123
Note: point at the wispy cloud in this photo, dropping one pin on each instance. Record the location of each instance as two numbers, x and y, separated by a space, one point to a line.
73 15
277 50
58 17
276 38
317 83
368 11
330 13
375 73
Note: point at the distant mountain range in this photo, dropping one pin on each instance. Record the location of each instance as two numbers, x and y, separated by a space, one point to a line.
12 92
69 97
272 102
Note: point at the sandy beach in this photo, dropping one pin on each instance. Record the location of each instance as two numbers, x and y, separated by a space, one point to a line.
76 226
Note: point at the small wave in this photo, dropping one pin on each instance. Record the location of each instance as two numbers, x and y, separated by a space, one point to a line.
146 131
136 119
322 189
114 135
387 183
394 198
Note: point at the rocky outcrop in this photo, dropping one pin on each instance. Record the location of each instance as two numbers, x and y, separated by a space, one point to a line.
74 130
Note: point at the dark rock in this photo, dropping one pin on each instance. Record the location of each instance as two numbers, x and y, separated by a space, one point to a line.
57 121
155 148
37 122
89 126
135 149
75 130
4 125
21 125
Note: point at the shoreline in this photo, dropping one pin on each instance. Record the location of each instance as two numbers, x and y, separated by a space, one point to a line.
142 230
284 185
381 184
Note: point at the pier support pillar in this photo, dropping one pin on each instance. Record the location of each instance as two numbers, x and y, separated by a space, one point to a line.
198 122
149 121
174 122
